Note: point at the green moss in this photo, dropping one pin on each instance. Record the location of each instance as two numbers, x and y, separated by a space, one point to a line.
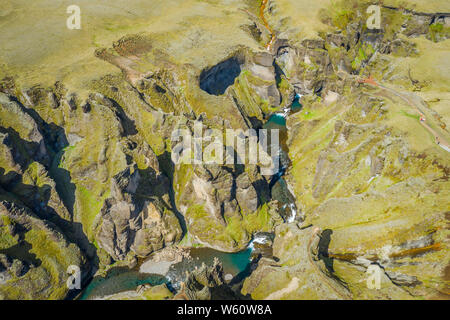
413 116
6 240
232 236
183 176
251 102
363 54
89 206
436 27
32 286
261 220
36 175
234 229
47 281
342 18
272 282
308 114
437 31
158 293
196 211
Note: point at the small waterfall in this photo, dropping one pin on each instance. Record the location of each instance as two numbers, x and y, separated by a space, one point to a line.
293 213
295 104
277 185
259 238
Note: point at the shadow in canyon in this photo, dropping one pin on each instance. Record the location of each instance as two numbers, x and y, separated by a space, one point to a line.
217 79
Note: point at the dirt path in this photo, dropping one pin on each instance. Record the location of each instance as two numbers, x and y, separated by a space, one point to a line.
439 139
277 295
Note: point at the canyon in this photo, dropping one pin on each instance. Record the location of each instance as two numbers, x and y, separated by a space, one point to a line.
86 170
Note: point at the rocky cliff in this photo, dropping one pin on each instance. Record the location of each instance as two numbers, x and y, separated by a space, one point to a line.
365 172
86 176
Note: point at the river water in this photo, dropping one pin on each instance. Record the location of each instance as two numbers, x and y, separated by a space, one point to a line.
123 279
278 185
236 264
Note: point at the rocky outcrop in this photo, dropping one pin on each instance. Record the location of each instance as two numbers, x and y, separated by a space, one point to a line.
206 283
160 229
34 256
349 149
262 67
246 194
414 23
307 67
85 162
303 270
298 272
130 223
214 198
249 78
17 124
120 216
365 185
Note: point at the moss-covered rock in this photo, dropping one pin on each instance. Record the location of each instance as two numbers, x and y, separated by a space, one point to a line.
41 257
85 141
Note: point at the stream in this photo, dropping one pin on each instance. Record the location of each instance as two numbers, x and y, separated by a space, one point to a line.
237 264
278 185
122 279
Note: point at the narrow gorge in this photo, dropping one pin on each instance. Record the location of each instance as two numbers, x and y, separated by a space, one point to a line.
87 176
